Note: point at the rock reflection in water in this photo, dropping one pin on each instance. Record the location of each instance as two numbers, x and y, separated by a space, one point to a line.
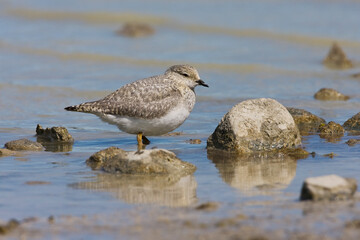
56 146
157 189
255 174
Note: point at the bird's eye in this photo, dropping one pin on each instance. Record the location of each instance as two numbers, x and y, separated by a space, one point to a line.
185 74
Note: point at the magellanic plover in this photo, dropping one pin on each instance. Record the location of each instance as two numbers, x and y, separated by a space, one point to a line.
151 106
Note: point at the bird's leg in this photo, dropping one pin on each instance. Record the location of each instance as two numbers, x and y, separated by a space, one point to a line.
139 140
145 140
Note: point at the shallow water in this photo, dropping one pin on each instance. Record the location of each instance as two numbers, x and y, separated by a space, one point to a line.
55 54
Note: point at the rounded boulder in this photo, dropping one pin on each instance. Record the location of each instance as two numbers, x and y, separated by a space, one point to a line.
256 125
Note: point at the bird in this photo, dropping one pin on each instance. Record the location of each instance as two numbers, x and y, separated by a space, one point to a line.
151 106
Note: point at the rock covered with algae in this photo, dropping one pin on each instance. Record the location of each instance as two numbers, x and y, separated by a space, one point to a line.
154 161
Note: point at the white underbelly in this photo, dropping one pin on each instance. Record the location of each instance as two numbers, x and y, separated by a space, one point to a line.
149 127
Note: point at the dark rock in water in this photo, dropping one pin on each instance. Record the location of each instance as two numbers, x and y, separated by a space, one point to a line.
353 123
330 187
352 142
331 130
208 206
9 226
154 161
336 58
23 145
255 125
306 121
356 75
194 141
54 134
355 224
330 155
329 94
55 139
136 30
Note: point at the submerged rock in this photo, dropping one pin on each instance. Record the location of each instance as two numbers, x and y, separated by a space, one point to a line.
352 142
255 125
154 161
24 145
6 152
331 130
353 123
337 59
306 121
330 187
136 30
329 94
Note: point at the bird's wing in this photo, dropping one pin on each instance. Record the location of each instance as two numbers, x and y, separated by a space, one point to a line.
148 98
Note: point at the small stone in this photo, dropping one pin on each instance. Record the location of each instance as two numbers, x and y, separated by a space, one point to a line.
331 130
37 183
353 123
23 145
57 134
136 30
329 94
306 121
356 75
329 187
336 58
154 161
330 155
352 142
208 206
353 224
194 141
9 226
256 125
51 219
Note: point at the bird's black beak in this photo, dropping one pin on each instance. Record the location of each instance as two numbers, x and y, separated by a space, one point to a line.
202 83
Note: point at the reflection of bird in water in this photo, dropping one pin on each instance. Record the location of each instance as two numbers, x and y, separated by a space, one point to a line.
151 106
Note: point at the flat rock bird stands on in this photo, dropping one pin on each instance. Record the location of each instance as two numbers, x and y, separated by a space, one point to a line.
149 107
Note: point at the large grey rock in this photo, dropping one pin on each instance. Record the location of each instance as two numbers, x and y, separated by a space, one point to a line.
353 123
255 125
23 145
154 161
306 121
330 187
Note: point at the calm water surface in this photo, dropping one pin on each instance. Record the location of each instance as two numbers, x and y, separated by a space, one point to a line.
58 53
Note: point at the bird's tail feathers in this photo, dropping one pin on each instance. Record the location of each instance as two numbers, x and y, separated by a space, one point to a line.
84 107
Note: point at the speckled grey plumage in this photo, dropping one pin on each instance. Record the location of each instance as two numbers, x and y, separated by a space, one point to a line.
148 98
